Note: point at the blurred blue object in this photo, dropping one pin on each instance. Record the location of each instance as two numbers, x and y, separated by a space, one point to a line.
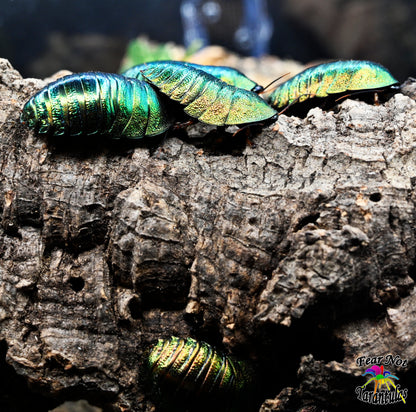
251 37
256 30
194 30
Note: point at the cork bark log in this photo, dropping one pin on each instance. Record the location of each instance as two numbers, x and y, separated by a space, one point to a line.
296 252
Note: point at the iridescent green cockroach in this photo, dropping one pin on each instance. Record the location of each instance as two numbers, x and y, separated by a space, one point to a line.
191 375
97 103
332 78
229 75
207 98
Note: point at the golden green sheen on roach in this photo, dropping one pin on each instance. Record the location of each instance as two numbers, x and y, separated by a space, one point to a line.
332 78
191 375
207 98
227 74
97 103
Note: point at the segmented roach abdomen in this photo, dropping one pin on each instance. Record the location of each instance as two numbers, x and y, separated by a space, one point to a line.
227 74
332 78
205 97
193 375
97 103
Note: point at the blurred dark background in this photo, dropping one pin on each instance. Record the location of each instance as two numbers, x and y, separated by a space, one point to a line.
40 37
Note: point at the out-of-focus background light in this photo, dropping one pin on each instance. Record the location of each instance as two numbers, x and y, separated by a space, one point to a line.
40 37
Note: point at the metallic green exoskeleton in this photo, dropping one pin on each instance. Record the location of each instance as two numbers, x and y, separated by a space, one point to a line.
191 375
97 103
207 98
229 75
332 78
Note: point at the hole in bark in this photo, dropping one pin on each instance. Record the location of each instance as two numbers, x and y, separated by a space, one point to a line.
355 242
76 283
135 307
31 292
375 197
312 177
11 229
306 220
167 289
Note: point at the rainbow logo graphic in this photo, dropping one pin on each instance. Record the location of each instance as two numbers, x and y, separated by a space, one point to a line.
381 377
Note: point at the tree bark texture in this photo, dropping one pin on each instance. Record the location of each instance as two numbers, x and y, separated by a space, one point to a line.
296 252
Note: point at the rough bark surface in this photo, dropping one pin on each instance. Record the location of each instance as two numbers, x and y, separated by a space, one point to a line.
296 252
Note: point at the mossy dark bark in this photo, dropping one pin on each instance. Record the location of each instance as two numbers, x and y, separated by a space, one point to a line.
296 252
